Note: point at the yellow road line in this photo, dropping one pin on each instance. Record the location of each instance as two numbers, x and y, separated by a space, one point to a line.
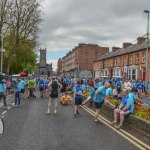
131 136
130 140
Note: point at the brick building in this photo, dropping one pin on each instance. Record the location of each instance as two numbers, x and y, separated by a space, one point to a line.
79 61
128 61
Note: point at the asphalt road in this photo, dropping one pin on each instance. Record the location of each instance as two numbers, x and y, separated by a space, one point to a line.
28 127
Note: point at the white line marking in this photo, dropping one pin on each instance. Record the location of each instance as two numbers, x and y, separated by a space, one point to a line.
4 112
12 104
9 107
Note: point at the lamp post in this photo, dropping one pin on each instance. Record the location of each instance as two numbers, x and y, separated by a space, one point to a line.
2 50
147 65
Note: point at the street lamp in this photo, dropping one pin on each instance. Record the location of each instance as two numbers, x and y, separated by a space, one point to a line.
2 50
147 11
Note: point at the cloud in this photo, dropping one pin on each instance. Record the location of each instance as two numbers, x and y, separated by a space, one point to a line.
69 22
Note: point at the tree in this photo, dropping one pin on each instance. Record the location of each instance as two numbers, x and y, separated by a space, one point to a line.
22 27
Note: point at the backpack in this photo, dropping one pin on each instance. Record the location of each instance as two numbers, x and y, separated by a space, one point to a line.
41 84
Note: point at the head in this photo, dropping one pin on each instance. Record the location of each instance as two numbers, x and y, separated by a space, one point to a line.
78 82
3 81
107 85
124 92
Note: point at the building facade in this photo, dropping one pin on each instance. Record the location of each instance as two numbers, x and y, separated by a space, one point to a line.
43 68
59 66
128 62
79 61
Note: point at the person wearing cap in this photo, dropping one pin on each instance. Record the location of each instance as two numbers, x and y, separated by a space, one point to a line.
99 99
126 107
3 92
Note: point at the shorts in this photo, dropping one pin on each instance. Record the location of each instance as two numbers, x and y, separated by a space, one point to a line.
54 94
22 90
78 101
32 89
98 105
41 89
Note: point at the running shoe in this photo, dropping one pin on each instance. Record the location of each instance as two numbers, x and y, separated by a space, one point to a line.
97 121
113 123
118 127
75 115
55 111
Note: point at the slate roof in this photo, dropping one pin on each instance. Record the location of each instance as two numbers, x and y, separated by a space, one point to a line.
121 51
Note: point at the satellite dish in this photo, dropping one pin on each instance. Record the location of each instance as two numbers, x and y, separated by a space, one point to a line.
1 128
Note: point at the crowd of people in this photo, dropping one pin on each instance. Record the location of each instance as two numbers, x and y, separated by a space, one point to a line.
61 87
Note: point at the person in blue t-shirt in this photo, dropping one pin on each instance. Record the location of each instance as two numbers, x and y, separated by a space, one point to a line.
91 97
118 85
126 107
99 99
139 86
22 86
78 91
41 85
17 93
3 92
109 92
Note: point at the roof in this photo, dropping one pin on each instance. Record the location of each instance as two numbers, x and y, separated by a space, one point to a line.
121 51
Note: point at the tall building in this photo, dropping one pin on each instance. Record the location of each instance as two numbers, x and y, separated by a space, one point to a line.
42 67
59 66
128 61
79 61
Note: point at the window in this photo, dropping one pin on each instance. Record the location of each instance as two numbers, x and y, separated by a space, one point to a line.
129 74
125 60
143 57
137 58
130 59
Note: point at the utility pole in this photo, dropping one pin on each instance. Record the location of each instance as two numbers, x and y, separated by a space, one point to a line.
2 50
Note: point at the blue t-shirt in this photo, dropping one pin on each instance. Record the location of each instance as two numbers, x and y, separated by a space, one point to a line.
140 85
18 87
118 84
2 87
131 95
78 89
92 92
109 91
101 94
41 84
126 100
22 84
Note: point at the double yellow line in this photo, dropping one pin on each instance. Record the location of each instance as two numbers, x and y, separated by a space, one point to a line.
141 145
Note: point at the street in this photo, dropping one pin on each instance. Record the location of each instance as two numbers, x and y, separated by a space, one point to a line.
28 127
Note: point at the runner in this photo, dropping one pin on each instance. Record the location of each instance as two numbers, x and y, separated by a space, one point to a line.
3 92
54 87
99 100
41 85
8 85
17 93
31 88
78 89
22 85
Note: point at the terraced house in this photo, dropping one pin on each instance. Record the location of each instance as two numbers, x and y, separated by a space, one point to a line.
128 61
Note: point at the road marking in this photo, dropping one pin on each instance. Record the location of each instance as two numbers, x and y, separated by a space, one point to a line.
131 136
106 122
4 112
9 107
13 104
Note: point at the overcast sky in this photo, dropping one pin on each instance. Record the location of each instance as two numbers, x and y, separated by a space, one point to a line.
104 22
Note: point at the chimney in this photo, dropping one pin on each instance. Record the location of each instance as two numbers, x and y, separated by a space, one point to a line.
115 48
125 45
140 40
